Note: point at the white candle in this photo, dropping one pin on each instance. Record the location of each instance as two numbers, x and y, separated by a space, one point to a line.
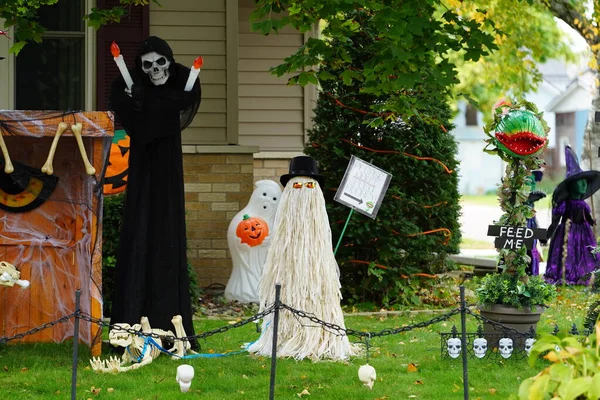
194 71
116 52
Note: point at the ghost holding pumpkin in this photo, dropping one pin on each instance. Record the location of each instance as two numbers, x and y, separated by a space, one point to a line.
248 240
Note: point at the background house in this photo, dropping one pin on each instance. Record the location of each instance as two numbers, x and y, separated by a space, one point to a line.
565 97
247 128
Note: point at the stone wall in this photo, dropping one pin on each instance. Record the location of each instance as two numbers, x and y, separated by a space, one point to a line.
217 186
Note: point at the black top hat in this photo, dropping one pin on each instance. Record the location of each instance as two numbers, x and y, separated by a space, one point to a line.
303 166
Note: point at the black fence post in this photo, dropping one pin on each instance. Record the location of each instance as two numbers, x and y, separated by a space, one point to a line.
274 348
463 325
75 345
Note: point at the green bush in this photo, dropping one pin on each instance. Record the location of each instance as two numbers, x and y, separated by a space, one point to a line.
386 260
510 290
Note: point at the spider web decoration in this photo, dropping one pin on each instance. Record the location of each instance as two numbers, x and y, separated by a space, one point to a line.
50 225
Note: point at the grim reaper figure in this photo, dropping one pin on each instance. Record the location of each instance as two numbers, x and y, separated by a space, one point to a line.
151 276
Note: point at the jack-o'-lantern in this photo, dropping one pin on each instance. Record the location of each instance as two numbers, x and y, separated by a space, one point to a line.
115 177
252 230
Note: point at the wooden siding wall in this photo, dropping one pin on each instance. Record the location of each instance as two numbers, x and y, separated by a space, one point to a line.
271 114
195 28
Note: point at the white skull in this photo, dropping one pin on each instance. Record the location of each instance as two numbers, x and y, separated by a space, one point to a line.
454 347
506 347
480 347
185 374
528 343
156 66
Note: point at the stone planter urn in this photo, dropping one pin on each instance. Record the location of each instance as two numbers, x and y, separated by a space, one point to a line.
521 319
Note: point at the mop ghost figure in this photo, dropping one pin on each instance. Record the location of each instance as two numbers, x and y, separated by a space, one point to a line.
301 260
185 374
248 238
367 375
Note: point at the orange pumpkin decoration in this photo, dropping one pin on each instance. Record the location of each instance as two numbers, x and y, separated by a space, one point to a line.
252 230
115 177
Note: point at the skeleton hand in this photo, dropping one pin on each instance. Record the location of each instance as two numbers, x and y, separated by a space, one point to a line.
113 364
97 364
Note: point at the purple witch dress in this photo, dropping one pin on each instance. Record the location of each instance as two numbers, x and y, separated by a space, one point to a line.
579 262
534 265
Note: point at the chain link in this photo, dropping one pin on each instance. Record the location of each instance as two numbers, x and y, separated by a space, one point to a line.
35 330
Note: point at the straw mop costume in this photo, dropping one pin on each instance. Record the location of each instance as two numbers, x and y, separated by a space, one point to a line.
151 276
534 196
569 258
301 259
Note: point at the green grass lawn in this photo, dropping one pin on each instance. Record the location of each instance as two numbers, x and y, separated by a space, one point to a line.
43 371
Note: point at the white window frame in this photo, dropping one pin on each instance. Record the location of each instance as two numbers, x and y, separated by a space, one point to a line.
8 67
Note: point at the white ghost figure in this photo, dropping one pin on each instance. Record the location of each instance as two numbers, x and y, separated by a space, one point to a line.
454 346
185 374
248 238
528 344
480 347
506 347
367 375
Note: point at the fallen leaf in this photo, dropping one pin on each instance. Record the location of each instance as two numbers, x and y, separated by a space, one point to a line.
24 369
5 368
110 390
412 367
245 376
95 390
418 382
303 393
492 390
412 396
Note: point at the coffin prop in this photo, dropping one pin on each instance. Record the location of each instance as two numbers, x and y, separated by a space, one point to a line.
50 220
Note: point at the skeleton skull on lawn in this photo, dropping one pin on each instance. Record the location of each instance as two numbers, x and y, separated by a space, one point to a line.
156 66
480 347
454 346
528 344
506 347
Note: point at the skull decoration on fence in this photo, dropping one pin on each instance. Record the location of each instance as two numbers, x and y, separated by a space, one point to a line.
454 346
156 66
506 347
480 347
528 344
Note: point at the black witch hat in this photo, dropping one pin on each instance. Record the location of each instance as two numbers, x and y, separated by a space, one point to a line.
303 166
575 173
25 188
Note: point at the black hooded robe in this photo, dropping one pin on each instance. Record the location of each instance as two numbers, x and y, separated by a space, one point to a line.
151 276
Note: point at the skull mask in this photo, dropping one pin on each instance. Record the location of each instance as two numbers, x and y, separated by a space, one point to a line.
528 344
156 66
506 347
480 347
454 347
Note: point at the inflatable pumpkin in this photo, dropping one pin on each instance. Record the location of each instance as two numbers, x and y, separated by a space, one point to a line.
252 230
115 177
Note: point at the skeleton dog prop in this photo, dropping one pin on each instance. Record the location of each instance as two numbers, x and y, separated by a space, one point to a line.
140 348
9 276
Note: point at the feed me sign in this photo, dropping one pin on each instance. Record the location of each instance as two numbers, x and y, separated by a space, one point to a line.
515 237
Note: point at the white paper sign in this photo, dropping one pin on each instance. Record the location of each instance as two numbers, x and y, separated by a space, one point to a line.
363 187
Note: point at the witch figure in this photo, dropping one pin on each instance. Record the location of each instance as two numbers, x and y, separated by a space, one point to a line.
534 195
151 276
570 260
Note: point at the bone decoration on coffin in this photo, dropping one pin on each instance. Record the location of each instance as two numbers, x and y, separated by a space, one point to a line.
9 276
141 346
76 129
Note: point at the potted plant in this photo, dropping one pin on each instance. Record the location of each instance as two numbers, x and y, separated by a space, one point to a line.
518 135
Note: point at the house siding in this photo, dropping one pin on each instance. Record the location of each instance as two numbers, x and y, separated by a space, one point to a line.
195 28
271 113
